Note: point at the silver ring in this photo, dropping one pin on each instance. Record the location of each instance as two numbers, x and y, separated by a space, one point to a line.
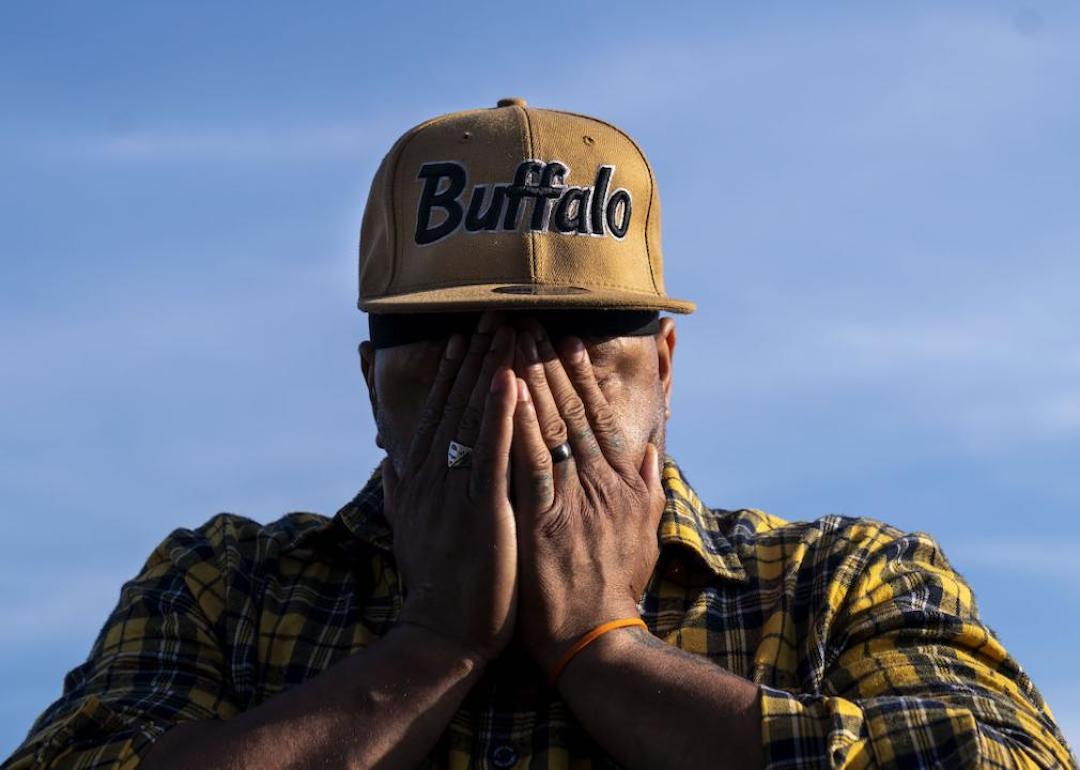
458 455
561 452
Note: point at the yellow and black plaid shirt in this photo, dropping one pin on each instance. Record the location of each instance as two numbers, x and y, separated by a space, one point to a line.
866 644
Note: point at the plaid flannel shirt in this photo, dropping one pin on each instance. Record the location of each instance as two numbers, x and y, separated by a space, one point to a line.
866 645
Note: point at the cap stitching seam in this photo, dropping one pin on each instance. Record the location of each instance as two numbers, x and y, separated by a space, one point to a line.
531 302
516 280
395 151
533 272
398 252
652 183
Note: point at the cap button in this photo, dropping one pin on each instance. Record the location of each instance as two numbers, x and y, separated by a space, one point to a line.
511 101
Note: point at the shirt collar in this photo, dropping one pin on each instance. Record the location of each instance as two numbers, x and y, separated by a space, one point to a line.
689 524
686 523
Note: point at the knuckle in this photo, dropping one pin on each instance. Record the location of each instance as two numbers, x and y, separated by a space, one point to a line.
444 379
586 444
535 377
541 482
484 457
470 421
573 410
580 371
553 426
429 415
456 401
604 419
552 527
446 372
540 461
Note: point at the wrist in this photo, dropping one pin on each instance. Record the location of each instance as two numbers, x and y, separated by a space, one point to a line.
597 644
440 646
550 639
615 650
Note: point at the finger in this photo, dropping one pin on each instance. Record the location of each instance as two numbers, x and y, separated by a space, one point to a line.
432 411
458 397
491 455
550 422
501 353
587 452
602 419
650 473
534 484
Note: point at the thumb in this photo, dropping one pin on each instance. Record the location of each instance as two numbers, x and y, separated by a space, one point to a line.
390 485
650 473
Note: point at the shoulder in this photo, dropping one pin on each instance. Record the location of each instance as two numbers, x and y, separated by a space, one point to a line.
229 538
228 555
752 526
832 543
771 547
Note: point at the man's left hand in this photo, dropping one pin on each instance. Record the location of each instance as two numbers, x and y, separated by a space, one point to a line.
587 525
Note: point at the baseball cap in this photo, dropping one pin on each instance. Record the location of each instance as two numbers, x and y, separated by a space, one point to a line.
513 207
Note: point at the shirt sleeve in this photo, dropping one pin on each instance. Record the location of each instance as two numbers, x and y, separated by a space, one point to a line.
155 663
916 680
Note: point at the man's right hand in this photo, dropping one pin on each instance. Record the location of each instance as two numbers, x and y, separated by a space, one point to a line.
456 548
455 540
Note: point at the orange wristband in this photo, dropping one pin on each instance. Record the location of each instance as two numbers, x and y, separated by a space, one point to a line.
584 641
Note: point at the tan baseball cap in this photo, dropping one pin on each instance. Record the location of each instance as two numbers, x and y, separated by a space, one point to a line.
513 207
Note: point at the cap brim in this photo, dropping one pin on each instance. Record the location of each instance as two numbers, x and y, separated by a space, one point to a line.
522 296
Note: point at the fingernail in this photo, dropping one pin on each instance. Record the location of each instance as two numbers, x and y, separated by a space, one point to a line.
498 342
529 349
497 380
523 391
576 349
455 348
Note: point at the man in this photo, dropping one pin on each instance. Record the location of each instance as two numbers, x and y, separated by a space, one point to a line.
528 580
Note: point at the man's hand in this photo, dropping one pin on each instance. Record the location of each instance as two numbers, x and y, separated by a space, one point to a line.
455 587
586 525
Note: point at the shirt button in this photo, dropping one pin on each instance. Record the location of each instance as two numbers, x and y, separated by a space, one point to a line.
504 756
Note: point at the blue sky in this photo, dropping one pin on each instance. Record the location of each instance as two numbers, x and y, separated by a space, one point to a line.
875 209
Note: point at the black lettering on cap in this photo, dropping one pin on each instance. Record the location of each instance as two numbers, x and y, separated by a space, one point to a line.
618 229
476 221
432 197
571 213
556 207
550 188
599 201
